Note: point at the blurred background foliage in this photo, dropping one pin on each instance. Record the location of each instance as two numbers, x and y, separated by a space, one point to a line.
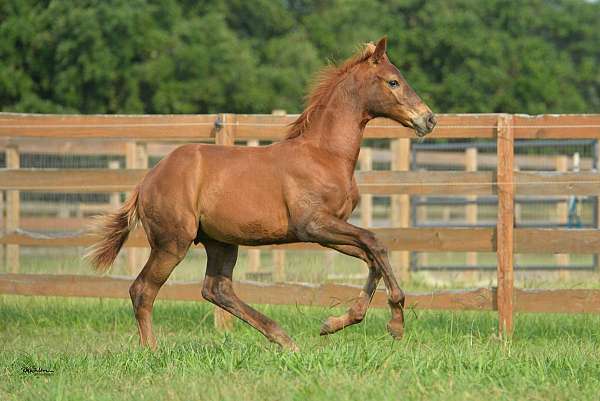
253 56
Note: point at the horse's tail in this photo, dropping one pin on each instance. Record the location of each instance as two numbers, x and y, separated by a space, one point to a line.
114 228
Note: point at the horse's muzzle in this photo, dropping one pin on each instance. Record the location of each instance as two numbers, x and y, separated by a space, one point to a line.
424 124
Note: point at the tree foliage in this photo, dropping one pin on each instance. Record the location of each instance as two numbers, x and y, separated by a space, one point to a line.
186 56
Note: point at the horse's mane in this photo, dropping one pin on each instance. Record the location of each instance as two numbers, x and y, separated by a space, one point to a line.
323 85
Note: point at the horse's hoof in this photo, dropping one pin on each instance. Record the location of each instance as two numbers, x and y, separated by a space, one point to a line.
396 329
149 345
290 346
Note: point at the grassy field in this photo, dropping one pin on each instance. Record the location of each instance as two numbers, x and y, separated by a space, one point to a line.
90 345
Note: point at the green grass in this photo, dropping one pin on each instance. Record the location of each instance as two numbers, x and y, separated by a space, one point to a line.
91 347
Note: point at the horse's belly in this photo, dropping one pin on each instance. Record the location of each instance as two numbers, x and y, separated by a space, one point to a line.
244 231
245 218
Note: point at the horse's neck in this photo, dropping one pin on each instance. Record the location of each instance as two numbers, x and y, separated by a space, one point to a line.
338 129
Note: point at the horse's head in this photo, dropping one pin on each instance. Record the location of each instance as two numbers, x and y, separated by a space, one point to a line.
387 93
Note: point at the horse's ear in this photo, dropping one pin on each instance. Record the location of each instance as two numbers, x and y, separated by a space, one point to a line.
380 50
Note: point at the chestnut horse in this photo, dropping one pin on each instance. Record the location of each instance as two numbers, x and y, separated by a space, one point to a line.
301 189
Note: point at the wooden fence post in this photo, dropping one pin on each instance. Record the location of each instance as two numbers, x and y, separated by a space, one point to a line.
253 260
505 224
13 211
471 208
278 265
401 206
422 216
366 200
562 211
114 199
136 157
225 136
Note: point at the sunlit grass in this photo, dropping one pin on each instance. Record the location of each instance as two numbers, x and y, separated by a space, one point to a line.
91 347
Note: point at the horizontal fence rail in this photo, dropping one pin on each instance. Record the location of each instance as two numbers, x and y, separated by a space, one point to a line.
171 128
328 295
422 239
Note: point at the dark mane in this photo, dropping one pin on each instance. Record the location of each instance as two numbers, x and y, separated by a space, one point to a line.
325 82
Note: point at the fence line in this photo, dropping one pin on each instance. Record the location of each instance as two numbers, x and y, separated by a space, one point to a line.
421 239
372 182
243 127
225 129
328 295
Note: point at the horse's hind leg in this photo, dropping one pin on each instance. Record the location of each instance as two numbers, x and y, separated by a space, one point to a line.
218 289
358 310
144 289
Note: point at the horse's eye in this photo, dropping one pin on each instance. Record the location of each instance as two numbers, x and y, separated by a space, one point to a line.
393 84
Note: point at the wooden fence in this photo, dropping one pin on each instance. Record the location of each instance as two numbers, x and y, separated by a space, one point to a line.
134 132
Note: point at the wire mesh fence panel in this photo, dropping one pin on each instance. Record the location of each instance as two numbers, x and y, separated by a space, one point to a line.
531 211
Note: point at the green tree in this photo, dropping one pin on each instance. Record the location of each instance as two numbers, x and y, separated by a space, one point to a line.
201 66
204 56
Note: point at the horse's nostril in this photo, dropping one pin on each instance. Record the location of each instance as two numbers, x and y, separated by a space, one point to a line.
431 121
424 123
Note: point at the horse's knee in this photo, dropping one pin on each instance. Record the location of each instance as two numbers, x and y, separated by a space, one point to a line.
380 249
368 238
371 242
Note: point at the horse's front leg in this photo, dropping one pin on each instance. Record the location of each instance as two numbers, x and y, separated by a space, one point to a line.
357 311
329 230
